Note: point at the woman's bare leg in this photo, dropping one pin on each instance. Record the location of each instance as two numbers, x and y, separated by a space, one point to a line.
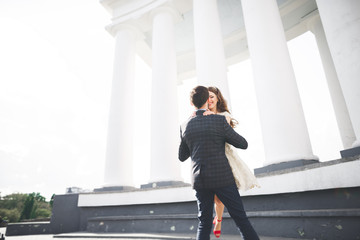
219 210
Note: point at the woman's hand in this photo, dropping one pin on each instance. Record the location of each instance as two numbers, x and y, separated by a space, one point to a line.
208 112
228 119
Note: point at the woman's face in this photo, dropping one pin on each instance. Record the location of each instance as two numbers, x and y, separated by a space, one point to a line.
212 101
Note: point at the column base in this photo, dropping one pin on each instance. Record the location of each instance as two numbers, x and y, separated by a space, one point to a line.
114 189
164 184
351 152
284 165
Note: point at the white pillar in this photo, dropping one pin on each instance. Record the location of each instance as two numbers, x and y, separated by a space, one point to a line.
284 129
209 47
164 106
119 155
342 29
341 112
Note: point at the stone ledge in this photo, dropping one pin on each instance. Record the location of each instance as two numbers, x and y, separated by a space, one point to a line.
350 152
28 228
284 166
340 173
353 212
167 236
312 165
144 217
121 189
308 213
126 236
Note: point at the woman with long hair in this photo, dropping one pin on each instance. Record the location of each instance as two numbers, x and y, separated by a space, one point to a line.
244 177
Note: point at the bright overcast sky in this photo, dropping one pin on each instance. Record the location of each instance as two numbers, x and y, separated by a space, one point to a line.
55 78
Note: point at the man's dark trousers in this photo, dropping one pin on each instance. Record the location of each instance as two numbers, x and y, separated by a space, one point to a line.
230 197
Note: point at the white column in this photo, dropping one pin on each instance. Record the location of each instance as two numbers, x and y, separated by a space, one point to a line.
341 112
284 129
119 155
164 107
342 29
209 47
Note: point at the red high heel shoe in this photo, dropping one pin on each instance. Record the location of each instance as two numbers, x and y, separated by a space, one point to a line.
218 232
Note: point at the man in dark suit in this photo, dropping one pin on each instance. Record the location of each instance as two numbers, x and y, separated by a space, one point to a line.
203 139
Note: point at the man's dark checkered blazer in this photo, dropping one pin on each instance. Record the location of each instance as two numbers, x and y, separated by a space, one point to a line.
203 138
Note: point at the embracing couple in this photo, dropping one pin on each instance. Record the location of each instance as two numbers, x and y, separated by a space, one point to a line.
217 170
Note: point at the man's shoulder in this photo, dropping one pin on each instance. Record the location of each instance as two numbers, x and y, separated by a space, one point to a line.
213 120
184 124
187 122
196 120
216 117
211 117
206 118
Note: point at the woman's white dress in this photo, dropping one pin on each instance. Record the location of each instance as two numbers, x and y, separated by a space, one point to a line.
244 177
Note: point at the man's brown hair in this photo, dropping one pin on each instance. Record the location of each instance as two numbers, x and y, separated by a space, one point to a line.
199 95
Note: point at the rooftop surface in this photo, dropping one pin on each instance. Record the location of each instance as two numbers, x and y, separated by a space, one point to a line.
124 236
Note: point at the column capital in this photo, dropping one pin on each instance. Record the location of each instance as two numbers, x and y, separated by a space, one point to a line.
177 16
114 28
314 22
